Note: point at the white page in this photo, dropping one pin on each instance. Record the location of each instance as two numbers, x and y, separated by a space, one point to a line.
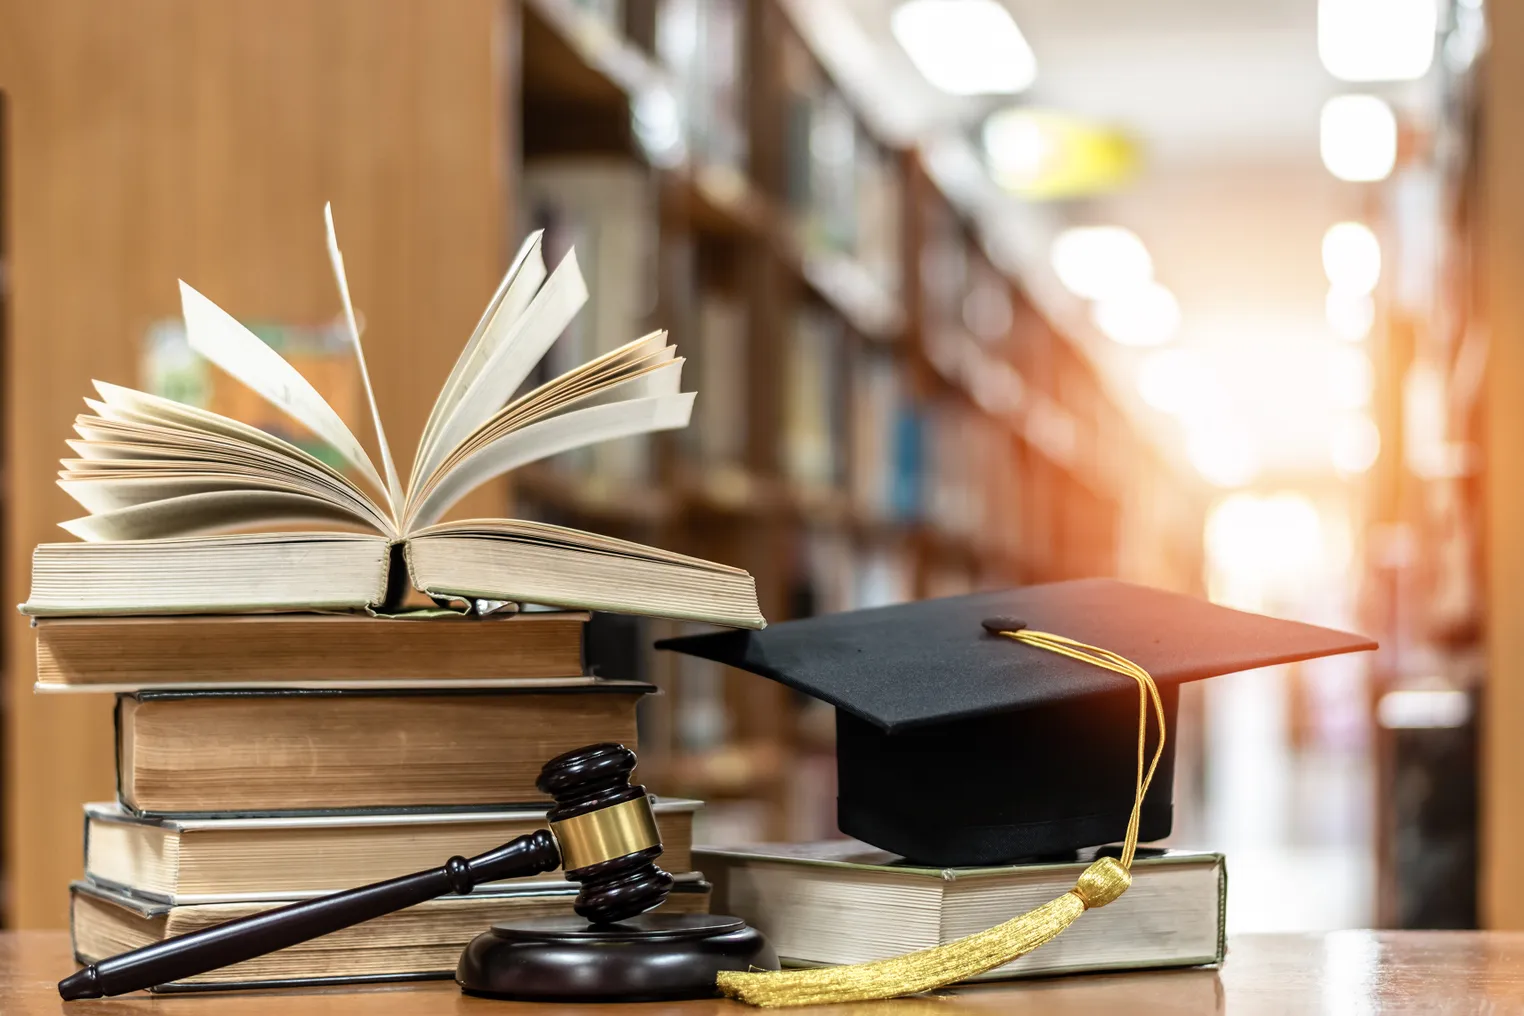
216 335
132 408
108 493
550 437
653 380
514 356
393 484
208 512
518 287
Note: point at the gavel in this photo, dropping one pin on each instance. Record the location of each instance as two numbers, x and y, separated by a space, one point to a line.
602 833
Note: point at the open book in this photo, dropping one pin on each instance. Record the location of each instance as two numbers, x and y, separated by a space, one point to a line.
159 479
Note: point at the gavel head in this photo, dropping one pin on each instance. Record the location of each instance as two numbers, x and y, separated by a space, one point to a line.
606 831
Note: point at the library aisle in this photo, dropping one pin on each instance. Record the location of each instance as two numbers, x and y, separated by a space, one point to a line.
1215 297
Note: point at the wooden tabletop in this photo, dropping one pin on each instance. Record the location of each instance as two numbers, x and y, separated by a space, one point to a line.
1349 972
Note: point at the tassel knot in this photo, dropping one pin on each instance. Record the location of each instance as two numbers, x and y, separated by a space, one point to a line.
1102 882
1105 880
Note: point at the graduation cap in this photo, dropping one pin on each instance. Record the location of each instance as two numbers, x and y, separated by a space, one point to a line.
957 745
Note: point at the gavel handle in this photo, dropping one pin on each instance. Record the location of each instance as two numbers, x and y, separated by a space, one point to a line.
247 937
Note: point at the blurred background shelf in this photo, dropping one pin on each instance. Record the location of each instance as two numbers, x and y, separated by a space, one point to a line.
882 414
883 411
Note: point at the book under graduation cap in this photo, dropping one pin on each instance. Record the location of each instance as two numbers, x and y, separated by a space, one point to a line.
841 901
160 480
999 727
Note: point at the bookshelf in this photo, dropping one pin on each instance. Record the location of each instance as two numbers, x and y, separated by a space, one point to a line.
883 413
795 279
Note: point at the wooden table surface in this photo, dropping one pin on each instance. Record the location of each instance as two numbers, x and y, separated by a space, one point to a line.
1349 973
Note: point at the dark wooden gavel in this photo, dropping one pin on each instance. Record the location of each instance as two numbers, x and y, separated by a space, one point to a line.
602 832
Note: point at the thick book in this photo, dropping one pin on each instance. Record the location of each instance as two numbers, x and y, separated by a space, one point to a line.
422 942
842 901
161 481
323 650
186 861
303 751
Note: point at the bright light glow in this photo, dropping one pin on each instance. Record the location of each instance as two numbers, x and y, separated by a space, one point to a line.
1045 155
1357 136
1272 537
1222 453
1377 40
1354 445
1175 381
1352 257
1146 315
1019 148
965 47
1096 262
1423 709
1350 315
1349 378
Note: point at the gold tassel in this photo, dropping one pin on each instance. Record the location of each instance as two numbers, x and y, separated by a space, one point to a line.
1105 880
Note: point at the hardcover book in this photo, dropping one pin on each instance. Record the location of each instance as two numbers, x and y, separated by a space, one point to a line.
842 901
420 943
539 648
202 860
163 482
311 751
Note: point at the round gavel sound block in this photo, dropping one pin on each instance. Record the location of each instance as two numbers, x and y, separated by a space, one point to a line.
653 957
616 952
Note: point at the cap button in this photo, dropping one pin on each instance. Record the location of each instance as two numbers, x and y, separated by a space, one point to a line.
996 625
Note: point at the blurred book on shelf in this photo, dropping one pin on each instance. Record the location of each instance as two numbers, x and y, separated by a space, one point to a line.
718 434
813 422
701 42
605 208
882 413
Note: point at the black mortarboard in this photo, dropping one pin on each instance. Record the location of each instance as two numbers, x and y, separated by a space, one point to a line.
957 746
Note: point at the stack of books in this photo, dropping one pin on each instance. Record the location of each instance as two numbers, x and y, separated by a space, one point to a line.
301 712
263 759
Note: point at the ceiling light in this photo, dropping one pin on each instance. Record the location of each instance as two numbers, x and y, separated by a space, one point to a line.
1175 381
1358 137
1377 40
1096 262
1354 445
1349 378
1352 257
1350 315
1044 155
1146 315
965 47
1222 454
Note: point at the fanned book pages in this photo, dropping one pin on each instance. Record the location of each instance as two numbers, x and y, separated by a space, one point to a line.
163 482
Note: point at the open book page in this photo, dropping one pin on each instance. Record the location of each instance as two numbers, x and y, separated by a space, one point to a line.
563 536
513 356
538 563
336 259
218 336
522 432
246 573
111 475
140 449
209 511
551 437
512 298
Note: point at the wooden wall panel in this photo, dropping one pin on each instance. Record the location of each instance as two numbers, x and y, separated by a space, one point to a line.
175 138
1502 262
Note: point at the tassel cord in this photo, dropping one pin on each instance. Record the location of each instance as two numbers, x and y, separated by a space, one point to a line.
1102 882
